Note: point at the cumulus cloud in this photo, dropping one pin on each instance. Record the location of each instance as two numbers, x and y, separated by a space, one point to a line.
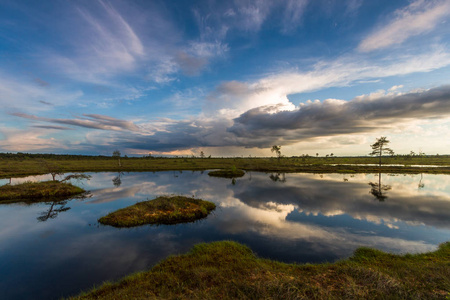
268 125
419 17
259 127
93 121
233 98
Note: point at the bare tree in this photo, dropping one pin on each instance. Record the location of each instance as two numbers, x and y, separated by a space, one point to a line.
380 147
277 150
116 154
52 168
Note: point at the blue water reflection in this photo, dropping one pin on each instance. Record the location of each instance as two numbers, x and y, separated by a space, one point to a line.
49 250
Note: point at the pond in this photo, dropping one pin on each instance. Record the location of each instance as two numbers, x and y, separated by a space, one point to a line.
50 250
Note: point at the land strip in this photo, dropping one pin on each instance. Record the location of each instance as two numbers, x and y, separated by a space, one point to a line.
13 165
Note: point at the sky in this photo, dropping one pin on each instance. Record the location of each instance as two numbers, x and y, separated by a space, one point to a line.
229 78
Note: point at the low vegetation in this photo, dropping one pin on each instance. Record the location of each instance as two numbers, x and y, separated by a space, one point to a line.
38 191
13 165
228 270
162 210
228 173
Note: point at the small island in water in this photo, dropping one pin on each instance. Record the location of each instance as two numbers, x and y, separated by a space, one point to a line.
162 210
227 173
35 191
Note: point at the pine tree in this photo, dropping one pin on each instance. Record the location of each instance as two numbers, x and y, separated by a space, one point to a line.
380 147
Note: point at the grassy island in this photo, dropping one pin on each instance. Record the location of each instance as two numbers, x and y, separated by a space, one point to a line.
228 270
38 190
162 210
227 173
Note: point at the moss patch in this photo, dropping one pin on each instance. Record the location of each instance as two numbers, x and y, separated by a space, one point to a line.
38 191
228 270
227 173
162 210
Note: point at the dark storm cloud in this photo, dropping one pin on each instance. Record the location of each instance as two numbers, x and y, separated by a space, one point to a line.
180 135
259 127
88 121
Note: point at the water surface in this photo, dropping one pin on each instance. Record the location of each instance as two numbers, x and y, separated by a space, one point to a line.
49 250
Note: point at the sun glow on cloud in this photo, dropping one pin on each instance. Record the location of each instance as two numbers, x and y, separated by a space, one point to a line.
148 78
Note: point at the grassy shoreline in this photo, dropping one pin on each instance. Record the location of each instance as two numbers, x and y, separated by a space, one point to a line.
228 270
35 191
16 166
162 210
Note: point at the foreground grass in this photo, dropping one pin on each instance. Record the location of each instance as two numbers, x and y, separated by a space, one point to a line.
162 210
38 191
228 270
23 165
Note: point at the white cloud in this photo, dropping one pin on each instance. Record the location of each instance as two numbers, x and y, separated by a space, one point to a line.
259 127
419 17
32 139
93 121
104 44
232 98
395 88
292 15
29 95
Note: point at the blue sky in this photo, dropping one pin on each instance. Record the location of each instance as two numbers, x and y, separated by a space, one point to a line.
224 77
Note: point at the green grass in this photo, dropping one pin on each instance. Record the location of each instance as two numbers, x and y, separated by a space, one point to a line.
228 270
38 191
162 210
227 173
15 165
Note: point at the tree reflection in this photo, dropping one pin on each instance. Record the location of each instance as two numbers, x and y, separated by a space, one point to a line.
58 206
421 185
379 190
55 208
117 181
281 177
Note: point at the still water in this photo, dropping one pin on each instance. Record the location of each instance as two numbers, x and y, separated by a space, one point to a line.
49 250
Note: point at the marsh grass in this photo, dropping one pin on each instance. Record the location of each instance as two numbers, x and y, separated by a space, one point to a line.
38 191
228 270
162 210
15 165
232 172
